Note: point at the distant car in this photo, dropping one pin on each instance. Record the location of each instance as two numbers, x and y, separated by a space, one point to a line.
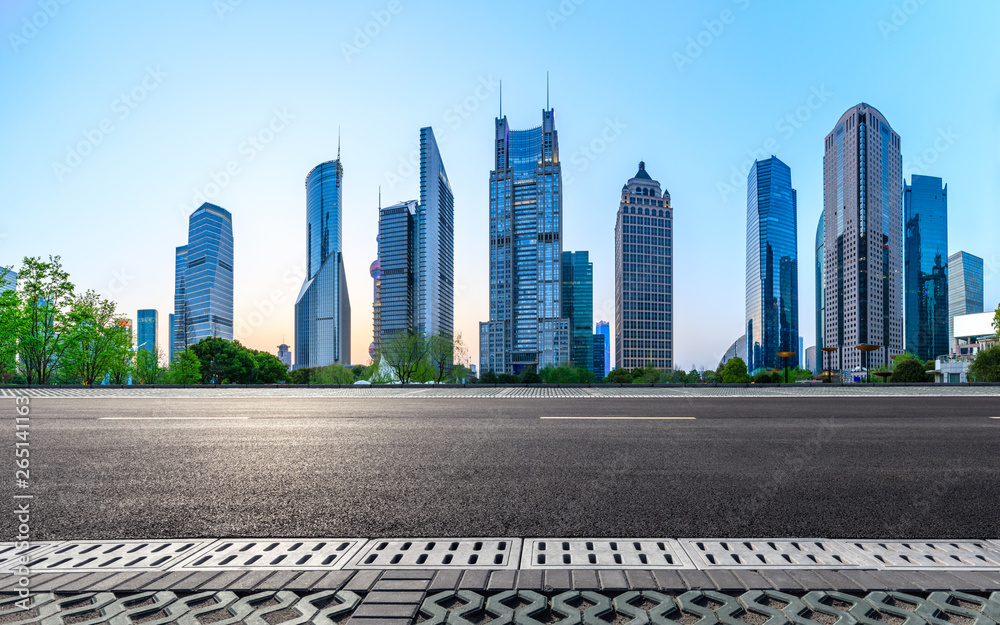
363 382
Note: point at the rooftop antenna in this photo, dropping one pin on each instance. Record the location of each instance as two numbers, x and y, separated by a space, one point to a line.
380 197
501 99
546 90
338 143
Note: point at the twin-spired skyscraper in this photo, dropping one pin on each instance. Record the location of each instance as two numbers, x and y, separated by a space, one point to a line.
863 238
526 330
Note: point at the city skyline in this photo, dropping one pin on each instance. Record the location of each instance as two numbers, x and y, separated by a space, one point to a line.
700 148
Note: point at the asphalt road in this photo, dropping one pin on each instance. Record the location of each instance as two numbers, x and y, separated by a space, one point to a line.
742 468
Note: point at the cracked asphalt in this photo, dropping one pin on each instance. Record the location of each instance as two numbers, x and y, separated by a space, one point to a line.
865 467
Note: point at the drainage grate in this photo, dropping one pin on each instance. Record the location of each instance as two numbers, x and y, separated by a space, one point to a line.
466 553
973 554
136 555
11 557
590 553
240 555
758 554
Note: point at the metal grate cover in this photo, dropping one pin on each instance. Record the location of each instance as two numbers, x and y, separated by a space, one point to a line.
954 555
9 556
737 553
438 553
598 553
134 555
271 554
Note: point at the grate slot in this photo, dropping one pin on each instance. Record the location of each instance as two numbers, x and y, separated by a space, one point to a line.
774 553
278 554
474 553
595 553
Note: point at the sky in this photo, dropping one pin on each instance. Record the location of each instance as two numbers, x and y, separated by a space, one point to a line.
119 118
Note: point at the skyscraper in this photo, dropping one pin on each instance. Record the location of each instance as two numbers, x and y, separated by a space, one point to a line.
146 324
925 266
170 336
965 289
9 280
603 328
399 253
203 281
375 271
436 241
323 307
772 287
643 272
863 238
820 291
578 307
526 330
285 356
597 357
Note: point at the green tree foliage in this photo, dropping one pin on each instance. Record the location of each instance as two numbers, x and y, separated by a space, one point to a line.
489 377
910 370
619 376
531 377
98 342
566 375
45 294
692 377
986 366
229 362
407 354
508 378
711 377
147 367
10 329
764 378
332 374
360 372
735 372
186 368
996 320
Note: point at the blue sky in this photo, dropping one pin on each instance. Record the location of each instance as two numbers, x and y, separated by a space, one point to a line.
165 96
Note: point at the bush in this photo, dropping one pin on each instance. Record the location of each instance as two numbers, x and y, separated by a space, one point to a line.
910 370
489 377
619 376
531 377
764 378
508 378
735 372
986 366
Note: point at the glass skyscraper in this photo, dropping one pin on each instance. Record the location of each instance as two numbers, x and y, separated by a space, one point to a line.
603 328
435 237
146 323
925 266
399 284
772 287
323 307
643 274
965 290
863 238
203 280
526 330
820 292
578 307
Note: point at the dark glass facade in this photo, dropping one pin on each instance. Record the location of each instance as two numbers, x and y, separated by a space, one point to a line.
203 283
965 289
597 356
578 307
772 287
436 251
146 323
398 284
603 328
925 266
526 330
820 295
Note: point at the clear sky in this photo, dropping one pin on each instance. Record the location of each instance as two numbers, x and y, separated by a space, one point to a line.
165 95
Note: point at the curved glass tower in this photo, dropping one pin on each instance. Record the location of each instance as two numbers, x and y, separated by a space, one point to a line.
203 283
772 320
925 215
323 308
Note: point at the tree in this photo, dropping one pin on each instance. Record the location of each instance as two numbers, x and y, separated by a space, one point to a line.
619 376
187 368
565 375
333 374
763 378
508 378
711 377
224 362
11 322
909 370
693 377
440 353
268 368
45 295
360 372
986 366
488 377
99 340
996 320
406 353
531 377
147 367
735 372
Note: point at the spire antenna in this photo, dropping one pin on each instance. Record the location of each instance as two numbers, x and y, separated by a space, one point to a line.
380 197
338 143
501 99
547 90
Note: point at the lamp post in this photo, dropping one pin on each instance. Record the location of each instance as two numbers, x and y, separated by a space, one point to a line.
828 351
867 349
786 356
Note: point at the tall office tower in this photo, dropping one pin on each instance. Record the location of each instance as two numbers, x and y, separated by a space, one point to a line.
399 286
965 289
323 307
597 357
203 281
146 330
436 241
863 238
643 271
578 307
285 356
772 288
526 330
925 266
820 291
604 329
375 271
170 336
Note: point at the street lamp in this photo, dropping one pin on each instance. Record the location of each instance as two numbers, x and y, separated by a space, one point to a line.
786 356
829 350
867 349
